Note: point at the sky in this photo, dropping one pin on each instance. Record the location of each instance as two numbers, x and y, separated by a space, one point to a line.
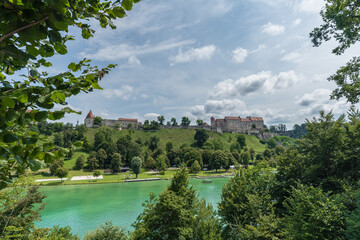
204 58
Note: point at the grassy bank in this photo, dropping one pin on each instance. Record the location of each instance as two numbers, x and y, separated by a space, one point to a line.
117 178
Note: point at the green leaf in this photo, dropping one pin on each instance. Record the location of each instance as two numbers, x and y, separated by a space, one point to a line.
60 48
96 85
2 77
16 2
17 150
32 50
35 164
45 63
22 98
56 115
58 97
54 36
11 115
8 102
46 51
69 110
29 140
119 12
36 152
78 144
48 146
127 4
34 73
85 33
41 116
10 137
72 66
49 157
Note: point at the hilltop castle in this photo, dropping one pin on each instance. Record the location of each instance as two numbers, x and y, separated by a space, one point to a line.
228 124
237 124
120 123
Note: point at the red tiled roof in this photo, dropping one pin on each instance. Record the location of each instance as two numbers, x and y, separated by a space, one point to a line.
90 115
256 118
245 120
28 110
232 118
205 124
128 119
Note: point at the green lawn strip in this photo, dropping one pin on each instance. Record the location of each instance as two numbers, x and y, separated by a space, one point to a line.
120 177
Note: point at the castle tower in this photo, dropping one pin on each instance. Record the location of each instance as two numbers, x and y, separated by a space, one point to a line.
89 120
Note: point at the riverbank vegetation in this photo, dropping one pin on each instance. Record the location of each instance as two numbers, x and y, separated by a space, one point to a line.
313 194
111 151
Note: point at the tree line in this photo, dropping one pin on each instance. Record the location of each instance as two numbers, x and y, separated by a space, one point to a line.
313 194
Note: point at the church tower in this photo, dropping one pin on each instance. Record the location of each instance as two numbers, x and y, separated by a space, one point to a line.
89 120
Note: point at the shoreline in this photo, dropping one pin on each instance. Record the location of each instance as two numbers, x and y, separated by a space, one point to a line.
127 181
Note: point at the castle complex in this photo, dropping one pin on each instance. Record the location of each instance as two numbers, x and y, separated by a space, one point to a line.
120 123
227 124
237 124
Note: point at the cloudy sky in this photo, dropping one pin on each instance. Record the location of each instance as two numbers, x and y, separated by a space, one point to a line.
204 58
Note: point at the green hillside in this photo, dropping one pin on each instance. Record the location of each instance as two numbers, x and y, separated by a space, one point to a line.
181 136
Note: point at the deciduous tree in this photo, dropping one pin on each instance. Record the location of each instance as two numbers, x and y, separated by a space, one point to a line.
30 32
116 162
107 231
80 162
61 172
20 207
185 121
341 21
173 122
241 140
136 165
201 136
161 119
177 214
195 167
92 162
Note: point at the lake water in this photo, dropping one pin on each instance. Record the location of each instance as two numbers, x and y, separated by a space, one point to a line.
85 207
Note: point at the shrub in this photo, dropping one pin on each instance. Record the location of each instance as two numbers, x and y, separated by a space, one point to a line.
80 162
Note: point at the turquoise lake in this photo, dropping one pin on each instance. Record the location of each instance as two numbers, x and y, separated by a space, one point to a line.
85 207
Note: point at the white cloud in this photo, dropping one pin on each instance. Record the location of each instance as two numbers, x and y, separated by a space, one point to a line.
239 54
264 82
311 6
197 110
259 48
297 22
273 29
133 60
224 106
319 100
121 51
317 96
125 92
292 57
151 116
194 54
